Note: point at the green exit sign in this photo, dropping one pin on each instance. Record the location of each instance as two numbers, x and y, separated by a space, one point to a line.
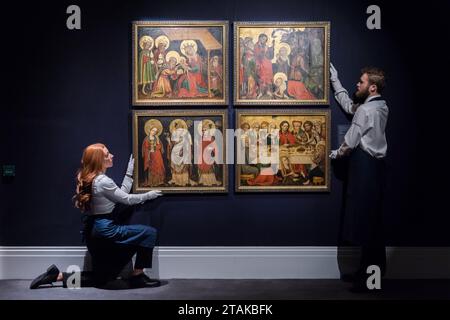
9 170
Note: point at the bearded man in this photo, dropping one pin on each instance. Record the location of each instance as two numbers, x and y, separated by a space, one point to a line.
365 144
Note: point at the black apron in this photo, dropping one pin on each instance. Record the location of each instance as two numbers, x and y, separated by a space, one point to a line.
364 197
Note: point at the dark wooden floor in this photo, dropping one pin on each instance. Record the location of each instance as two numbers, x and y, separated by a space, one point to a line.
192 289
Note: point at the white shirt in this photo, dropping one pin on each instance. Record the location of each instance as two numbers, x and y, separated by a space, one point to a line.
105 194
368 125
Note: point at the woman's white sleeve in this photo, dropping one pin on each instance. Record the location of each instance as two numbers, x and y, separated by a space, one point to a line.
112 192
126 184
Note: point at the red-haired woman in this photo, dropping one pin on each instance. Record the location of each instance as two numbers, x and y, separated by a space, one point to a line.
110 243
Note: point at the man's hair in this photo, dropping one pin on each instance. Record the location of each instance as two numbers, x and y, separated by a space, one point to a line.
376 77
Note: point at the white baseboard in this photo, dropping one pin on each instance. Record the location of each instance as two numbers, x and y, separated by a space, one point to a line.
238 262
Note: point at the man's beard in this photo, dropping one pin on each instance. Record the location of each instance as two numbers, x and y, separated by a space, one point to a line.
360 96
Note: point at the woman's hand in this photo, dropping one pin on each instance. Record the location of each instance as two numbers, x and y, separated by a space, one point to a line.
154 194
130 167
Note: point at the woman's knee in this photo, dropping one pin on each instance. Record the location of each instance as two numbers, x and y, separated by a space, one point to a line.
150 230
150 234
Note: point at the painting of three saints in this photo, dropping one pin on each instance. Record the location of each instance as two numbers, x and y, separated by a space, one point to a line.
176 151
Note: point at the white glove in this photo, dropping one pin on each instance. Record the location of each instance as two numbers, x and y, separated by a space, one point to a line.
130 167
333 73
153 194
334 154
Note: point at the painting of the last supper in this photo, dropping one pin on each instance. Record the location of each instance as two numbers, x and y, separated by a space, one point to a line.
282 150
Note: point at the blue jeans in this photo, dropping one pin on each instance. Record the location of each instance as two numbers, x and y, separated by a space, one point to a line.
113 244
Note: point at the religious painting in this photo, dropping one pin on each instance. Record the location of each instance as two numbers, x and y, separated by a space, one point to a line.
180 63
281 63
180 151
282 150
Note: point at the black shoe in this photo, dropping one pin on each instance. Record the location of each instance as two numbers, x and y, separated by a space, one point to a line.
353 277
348 277
151 282
143 281
46 278
361 287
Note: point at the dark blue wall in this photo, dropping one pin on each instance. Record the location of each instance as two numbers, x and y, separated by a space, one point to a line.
63 90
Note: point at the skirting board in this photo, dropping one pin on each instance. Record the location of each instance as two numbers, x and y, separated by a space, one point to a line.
239 262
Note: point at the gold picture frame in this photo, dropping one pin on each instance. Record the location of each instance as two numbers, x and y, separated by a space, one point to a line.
154 144
180 63
302 150
281 63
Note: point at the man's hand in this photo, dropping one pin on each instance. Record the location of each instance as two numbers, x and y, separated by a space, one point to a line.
334 154
130 167
333 73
